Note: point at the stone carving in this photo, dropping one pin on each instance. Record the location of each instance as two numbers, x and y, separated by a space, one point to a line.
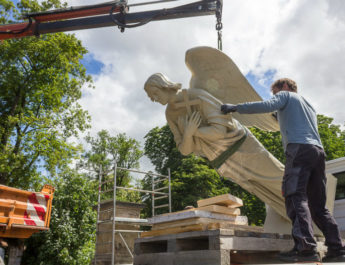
199 127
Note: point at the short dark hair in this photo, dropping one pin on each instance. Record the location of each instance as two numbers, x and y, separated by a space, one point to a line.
280 83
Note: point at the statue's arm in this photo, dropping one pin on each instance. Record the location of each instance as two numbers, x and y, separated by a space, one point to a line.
175 131
184 140
213 132
217 124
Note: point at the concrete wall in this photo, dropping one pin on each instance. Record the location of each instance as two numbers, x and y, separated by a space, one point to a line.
339 213
337 166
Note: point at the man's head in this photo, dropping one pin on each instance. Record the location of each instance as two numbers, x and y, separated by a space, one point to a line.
283 84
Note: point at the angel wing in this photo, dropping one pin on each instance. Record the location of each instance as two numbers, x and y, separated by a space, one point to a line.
215 72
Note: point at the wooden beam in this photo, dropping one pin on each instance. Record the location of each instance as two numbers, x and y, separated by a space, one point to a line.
223 200
174 230
212 208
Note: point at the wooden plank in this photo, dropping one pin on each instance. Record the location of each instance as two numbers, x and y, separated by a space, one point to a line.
190 214
227 225
220 209
224 200
212 208
192 221
186 222
174 230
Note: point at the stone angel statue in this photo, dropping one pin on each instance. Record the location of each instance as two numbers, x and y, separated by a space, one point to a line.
199 127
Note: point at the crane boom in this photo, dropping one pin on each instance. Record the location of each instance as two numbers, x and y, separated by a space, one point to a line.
93 16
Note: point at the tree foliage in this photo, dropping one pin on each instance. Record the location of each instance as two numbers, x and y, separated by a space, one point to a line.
161 149
40 83
332 138
71 238
272 141
192 178
107 150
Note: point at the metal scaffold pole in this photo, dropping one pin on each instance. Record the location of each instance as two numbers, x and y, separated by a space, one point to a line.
99 203
153 195
169 190
162 192
114 216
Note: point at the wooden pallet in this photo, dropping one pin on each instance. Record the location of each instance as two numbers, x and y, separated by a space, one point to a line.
201 226
236 245
195 221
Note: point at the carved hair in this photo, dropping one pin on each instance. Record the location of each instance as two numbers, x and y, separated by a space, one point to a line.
280 82
161 81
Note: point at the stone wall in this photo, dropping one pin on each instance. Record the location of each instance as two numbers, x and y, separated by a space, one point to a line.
104 232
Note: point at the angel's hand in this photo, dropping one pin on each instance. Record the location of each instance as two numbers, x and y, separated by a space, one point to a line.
192 123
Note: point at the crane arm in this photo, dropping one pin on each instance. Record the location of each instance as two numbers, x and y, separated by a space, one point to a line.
93 16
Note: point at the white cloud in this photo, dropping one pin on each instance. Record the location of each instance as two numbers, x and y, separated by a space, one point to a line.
309 47
300 39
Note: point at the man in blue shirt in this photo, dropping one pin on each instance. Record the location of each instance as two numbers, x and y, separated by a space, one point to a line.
304 181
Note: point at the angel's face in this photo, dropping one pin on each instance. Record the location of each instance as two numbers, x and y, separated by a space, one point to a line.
158 95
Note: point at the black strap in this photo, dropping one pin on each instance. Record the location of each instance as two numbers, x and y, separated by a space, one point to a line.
216 163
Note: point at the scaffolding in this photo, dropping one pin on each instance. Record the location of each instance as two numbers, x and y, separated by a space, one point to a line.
158 188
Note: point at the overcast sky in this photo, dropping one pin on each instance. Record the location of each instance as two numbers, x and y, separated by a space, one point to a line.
267 39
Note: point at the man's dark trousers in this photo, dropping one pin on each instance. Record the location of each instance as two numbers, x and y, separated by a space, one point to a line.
304 189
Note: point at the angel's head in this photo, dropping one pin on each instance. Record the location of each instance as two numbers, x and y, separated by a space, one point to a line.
160 89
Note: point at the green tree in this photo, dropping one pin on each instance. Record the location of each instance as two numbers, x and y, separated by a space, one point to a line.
40 85
71 238
105 151
161 149
192 178
332 138
272 141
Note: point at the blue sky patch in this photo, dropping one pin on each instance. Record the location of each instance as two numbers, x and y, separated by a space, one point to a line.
263 83
93 66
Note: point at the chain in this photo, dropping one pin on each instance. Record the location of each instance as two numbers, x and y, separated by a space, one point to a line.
219 24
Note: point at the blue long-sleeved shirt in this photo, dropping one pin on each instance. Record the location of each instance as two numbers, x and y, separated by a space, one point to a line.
297 118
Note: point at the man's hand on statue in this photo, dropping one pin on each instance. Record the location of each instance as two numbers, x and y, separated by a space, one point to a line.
192 123
227 108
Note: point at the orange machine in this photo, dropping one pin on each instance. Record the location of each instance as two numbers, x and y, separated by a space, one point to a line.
23 213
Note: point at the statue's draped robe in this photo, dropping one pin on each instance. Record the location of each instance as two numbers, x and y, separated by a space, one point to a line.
251 166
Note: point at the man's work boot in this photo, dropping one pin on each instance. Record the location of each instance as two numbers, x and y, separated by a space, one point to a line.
335 255
299 256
